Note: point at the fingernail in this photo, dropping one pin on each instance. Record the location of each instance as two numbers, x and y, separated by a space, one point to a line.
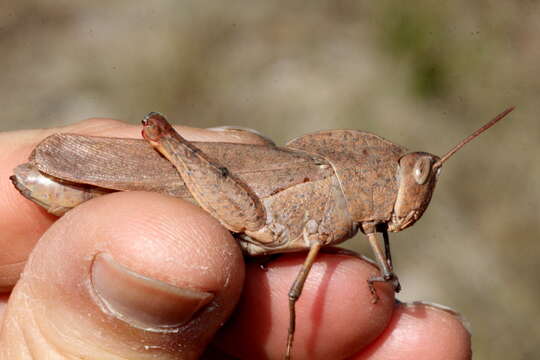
466 324
143 302
242 130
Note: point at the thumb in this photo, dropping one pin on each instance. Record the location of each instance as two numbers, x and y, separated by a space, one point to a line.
130 275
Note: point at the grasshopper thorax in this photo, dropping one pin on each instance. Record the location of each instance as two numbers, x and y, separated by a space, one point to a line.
416 181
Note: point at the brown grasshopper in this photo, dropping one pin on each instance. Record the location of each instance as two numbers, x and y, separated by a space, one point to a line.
318 190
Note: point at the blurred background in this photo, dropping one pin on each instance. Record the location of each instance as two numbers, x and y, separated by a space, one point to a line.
423 75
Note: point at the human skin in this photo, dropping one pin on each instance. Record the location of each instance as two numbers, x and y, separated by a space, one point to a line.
181 275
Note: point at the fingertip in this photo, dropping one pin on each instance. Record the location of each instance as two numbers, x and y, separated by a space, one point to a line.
22 222
128 270
335 304
420 331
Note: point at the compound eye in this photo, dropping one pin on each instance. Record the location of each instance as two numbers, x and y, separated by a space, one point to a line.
421 170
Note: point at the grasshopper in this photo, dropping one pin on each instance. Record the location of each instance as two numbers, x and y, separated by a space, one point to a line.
318 190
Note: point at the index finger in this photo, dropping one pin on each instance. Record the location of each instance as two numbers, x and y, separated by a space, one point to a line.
23 222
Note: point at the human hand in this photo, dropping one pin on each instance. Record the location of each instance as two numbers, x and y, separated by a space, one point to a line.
138 275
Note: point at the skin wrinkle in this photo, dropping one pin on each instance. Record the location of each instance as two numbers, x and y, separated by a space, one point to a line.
15 327
68 354
153 230
54 346
167 241
403 336
202 250
168 228
58 340
13 263
31 326
229 274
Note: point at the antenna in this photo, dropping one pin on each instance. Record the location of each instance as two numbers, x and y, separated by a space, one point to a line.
497 118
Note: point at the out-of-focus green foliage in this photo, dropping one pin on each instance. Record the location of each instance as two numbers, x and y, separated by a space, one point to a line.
408 34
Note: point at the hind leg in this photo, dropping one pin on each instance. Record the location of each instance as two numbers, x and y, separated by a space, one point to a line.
216 190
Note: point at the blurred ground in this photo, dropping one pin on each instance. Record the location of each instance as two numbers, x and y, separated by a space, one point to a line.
422 75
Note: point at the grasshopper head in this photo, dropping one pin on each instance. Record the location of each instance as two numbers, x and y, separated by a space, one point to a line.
417 176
